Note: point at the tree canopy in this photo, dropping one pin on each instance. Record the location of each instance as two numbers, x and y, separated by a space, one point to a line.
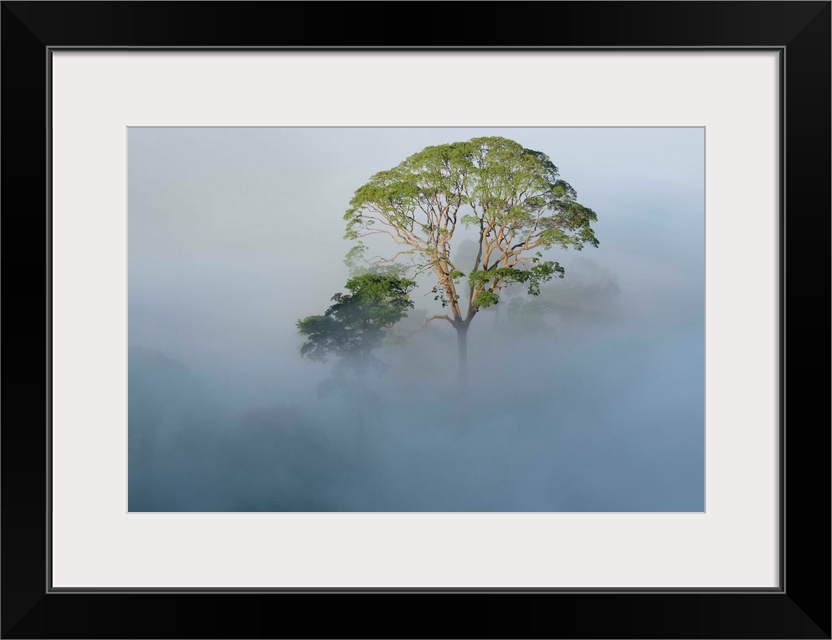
355 324
509 198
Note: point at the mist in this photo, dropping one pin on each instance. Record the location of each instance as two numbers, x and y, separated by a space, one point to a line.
588 397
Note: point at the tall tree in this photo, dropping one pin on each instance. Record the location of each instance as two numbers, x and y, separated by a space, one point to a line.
510 197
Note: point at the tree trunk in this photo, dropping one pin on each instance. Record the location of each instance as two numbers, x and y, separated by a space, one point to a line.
462 341
361 399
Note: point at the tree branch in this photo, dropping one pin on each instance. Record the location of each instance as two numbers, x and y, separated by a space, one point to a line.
424 324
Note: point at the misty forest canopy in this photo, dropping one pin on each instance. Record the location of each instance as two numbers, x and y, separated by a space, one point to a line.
508 199
352 327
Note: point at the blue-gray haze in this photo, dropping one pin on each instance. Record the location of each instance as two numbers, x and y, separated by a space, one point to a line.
587 398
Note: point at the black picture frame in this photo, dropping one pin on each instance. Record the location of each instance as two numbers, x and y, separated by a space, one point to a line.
799 608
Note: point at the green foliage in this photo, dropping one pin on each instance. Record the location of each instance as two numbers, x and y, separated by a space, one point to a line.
511 196
498 178
440 295
487 282
487 299
356 323
355 257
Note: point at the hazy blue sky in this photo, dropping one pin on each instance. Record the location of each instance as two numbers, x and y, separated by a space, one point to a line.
235 234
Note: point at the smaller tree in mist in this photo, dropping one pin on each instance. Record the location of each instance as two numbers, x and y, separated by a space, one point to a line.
354 326
588 296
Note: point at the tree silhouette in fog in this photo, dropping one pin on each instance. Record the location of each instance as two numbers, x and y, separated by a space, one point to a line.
353 327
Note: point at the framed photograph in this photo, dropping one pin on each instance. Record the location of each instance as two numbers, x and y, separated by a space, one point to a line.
395 370
528 316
